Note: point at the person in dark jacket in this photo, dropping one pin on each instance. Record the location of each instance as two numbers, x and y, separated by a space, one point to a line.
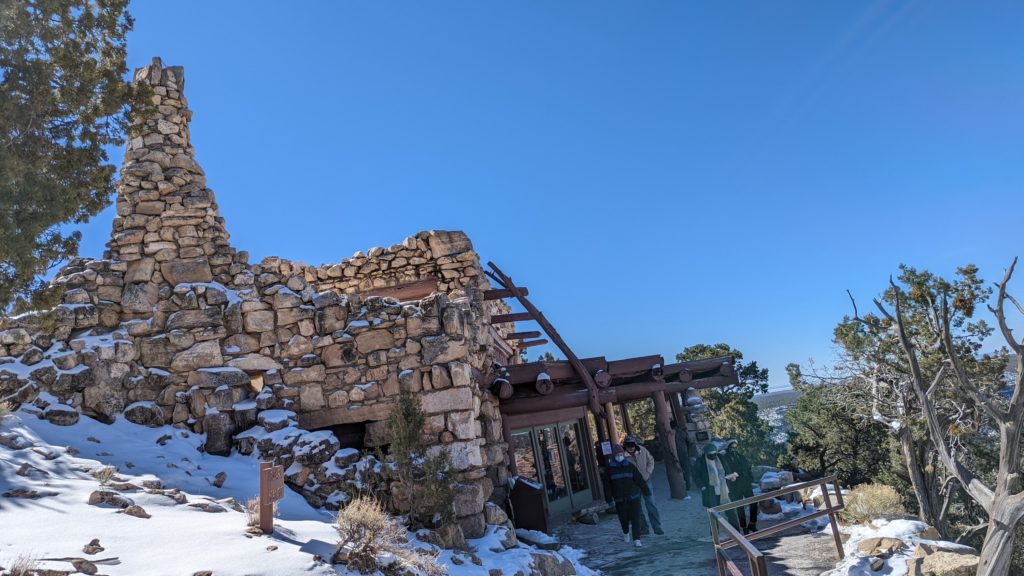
742 486
711 476
627 486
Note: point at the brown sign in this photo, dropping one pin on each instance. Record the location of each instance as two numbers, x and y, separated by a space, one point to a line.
271 490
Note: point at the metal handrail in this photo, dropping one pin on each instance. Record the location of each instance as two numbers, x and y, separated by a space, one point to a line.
758 566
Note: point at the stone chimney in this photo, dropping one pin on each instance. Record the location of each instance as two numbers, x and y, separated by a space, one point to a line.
167 228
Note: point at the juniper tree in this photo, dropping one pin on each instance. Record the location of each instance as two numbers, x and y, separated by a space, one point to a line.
425 472
733 412
63 99
923 352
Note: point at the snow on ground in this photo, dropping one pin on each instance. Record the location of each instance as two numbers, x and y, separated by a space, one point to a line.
177 539
909 531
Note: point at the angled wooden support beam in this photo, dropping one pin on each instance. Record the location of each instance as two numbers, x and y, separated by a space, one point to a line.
499 294
514 317
506 282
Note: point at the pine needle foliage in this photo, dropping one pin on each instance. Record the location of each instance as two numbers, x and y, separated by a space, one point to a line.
63 100
425 472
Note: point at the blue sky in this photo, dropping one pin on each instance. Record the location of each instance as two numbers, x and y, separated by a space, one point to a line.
659 174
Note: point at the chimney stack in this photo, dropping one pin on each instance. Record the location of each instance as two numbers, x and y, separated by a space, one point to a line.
167 229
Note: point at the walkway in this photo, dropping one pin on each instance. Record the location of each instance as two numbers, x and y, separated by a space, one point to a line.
685 549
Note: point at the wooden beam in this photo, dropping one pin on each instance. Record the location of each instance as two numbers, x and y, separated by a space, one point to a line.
334 416
555 401
558 370
499 294
698 366
522 335
404 292
514 317
594 403
634 366
626 422
522 345
702 383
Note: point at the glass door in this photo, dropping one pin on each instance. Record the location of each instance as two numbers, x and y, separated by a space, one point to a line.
554 457
574 447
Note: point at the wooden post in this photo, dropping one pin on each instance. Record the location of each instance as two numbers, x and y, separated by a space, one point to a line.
626 423
609 416
676 482
271 490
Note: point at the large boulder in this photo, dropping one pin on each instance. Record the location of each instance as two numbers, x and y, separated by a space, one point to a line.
316 447
548 564
944 563
145 414
201 355
186 272
219 428
61 415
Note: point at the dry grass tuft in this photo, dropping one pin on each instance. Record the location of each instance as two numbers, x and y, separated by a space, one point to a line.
869 501
24 565
252 511
104 474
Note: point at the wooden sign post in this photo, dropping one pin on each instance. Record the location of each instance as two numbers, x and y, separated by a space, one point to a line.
271 490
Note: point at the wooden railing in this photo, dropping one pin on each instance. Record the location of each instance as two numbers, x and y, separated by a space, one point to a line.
758 567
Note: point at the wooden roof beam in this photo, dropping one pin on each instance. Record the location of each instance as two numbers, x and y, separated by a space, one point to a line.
499 294
522 335
514 317
531 343
558 370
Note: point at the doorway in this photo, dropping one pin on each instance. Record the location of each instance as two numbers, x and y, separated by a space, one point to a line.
554 457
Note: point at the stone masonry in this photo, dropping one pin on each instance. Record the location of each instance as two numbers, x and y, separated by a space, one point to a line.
174 326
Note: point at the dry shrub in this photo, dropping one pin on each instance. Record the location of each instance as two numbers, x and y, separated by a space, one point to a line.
252 511
23 565
367 533
869 501
5 410
104 474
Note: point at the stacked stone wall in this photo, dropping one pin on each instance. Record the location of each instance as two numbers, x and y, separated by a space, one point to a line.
176 327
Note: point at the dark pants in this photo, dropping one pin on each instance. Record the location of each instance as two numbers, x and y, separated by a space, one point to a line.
629 515
606 485
752 516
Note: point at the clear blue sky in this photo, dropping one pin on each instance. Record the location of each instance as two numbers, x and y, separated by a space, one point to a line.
657 173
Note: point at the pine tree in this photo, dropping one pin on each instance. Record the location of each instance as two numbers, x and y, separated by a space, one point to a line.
63 98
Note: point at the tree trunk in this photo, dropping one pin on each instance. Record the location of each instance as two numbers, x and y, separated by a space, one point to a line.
917 481
997 551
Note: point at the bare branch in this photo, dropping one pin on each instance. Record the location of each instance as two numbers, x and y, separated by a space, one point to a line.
1000 313
983 400
971 532
968 479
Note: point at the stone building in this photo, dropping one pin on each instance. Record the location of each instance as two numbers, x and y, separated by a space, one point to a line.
296 363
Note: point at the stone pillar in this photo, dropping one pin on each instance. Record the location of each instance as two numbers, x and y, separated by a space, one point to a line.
167 227
676 482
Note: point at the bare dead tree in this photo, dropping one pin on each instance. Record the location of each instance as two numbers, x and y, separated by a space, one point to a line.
1003 502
